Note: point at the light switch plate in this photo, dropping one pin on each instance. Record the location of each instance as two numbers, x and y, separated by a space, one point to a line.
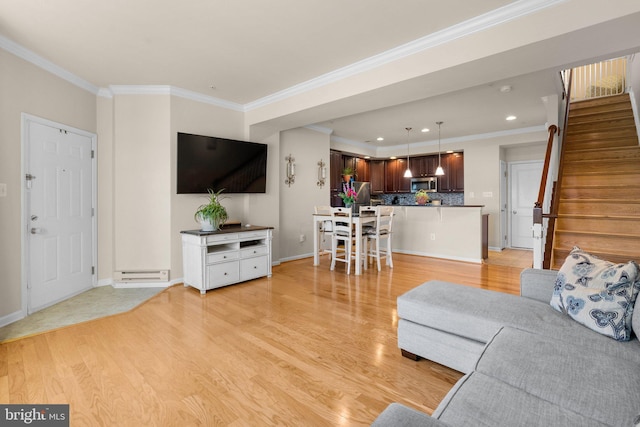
3 190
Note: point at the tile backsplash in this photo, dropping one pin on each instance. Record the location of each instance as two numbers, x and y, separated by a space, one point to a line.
410 198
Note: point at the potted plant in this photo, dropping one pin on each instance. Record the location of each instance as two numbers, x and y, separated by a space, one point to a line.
348 197
422 197
347 173
212 214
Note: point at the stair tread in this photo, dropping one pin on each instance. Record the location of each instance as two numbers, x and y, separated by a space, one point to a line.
608 201
602 173
629 256
596 216
599 186
608 150
600 234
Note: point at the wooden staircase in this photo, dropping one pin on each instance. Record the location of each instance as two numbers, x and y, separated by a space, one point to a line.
599 204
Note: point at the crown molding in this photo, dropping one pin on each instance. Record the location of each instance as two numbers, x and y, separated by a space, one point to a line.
168 90
393 149
321 129
45 64
479 23
353 143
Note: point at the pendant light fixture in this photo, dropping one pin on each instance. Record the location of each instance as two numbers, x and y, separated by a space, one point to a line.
407 173
439 170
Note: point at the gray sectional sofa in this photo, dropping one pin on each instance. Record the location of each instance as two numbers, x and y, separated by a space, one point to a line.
525 364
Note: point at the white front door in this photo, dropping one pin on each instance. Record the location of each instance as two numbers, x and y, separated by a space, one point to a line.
503 205
525 183
59 207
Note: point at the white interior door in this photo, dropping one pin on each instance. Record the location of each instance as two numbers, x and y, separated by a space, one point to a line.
525 182
59 193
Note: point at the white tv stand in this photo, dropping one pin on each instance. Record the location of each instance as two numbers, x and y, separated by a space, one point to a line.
234 254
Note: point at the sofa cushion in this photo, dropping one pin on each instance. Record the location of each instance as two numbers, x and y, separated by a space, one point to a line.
480 400
601 385
477 314
397 415
451 350
597 293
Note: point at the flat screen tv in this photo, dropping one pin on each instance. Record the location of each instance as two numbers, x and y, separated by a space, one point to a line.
218 163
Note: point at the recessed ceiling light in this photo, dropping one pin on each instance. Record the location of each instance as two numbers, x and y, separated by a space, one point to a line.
510 118
393 157
425 130
379 138
449 151
367 157
505 89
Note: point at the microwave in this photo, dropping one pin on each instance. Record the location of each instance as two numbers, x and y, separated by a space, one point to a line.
428 184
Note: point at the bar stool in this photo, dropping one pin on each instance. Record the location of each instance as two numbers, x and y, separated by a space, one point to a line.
381 233
342 233
326 228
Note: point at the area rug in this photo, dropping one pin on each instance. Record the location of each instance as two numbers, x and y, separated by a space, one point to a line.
92 304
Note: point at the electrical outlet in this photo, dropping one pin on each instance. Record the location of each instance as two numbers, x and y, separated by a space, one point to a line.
433 236
302 238
3 190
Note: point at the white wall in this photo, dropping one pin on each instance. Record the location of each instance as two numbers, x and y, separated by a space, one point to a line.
142 182
297 201
106 196
25 88
200 119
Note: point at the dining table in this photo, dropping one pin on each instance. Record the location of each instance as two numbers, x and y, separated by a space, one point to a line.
358 222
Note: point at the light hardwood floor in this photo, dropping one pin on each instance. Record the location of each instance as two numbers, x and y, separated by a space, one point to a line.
307 347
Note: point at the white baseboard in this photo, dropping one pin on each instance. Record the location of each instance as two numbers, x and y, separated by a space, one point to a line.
295 257
441 256
10 318
133 285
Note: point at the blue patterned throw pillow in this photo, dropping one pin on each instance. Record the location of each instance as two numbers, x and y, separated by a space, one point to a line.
597 293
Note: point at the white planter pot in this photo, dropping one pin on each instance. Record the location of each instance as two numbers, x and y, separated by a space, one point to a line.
207 225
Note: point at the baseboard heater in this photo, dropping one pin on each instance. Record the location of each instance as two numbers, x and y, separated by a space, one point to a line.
142 276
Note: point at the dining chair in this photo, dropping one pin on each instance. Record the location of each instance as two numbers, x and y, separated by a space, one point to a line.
342 233
326 229
381 234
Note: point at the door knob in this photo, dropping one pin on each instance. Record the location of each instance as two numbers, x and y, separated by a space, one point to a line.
515 212
34 217
35 230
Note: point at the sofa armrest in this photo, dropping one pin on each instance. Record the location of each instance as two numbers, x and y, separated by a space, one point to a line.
397 415
537 284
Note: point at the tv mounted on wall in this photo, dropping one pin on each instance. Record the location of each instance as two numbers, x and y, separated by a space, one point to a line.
218 163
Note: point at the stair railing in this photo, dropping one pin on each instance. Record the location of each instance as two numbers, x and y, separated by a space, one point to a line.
542 257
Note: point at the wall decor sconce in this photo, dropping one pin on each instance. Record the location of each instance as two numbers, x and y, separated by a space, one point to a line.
291 170
322 173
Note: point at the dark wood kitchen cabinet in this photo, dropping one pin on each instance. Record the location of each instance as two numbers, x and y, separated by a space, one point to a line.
362 169
453 179
376 173
395 182
423 166
335 178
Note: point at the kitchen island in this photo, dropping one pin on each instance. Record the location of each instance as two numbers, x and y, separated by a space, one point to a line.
445 231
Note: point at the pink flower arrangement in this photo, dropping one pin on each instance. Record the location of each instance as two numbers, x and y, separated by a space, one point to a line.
349 197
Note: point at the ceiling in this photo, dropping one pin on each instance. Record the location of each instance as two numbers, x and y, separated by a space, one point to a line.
247 50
